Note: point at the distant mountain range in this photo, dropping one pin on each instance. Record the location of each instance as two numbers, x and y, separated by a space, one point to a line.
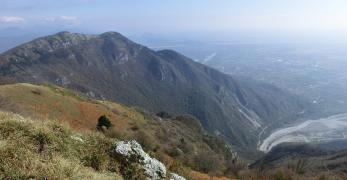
110 66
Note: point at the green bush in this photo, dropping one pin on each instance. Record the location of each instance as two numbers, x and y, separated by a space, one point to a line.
103 122
164 114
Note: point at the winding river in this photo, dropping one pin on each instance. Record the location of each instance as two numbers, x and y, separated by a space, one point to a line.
320 130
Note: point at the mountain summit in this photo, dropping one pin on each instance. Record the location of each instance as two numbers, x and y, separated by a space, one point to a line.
110 66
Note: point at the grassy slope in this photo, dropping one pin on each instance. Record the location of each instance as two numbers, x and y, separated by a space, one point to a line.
38 150
52 102
179 142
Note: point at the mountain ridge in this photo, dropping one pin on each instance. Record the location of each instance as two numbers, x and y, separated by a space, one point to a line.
110 66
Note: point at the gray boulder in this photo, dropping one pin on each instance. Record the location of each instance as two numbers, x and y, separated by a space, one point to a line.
153 168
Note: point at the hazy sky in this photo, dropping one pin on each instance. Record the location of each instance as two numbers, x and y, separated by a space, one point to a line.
165 16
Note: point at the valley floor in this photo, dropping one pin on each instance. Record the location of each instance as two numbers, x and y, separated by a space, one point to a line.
320 130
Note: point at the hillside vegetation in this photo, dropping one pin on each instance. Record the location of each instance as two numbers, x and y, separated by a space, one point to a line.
303 161
37 149
179 142
47 150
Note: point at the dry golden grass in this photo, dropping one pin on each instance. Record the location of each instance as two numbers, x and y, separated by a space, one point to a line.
47 150
41 102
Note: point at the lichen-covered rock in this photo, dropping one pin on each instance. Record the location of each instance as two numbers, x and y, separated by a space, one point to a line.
174 176
131 150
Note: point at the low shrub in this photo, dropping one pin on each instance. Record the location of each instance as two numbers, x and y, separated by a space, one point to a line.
146 140
93 161
103 121
208 162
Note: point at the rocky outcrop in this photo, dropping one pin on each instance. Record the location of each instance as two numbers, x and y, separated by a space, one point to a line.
153 169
